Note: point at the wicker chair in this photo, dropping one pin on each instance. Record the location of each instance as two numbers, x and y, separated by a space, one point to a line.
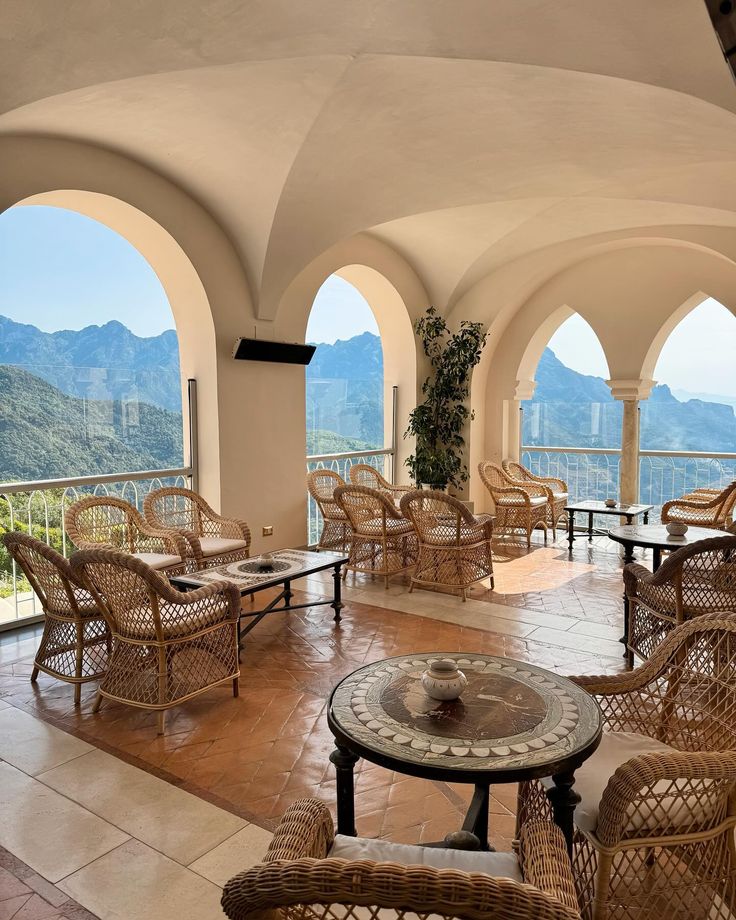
336 532
518 507
214 540
168 645
75 642
363 474
383 542
692 581
654 830
557 491
705 508
305 876
111 523
454 546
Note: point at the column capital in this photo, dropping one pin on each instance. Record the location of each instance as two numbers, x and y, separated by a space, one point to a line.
631 389
525 389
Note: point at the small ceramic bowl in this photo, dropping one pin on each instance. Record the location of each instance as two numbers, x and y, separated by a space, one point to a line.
443 680
676 529
610 503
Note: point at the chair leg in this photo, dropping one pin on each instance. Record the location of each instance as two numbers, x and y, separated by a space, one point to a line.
236 686
161 721
34 674
98 703
79 661
77 694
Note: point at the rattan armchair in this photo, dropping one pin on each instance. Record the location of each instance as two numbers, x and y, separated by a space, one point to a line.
105 522
454 545
303 878
363 474
214 540
654 830
518 507
694 580
168 645
75 641
557 491
383 542
704 508
321 485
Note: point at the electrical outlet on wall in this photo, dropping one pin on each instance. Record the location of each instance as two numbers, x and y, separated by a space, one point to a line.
268 530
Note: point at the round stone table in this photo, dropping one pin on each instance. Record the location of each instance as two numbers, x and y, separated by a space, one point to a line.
656 538
514 722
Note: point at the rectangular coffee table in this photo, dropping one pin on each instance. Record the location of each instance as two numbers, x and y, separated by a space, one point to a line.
288 564
620 509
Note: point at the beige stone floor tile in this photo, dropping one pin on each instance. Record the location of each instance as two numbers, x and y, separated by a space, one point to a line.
598 630
48 832
4 705
167 818
34 746
135 882
241 851
578 642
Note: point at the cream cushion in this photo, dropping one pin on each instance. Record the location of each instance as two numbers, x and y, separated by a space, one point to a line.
219 546
591 779
497 865
535 500
158 560
560 496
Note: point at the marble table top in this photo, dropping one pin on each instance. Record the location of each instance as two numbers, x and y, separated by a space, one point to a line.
512 715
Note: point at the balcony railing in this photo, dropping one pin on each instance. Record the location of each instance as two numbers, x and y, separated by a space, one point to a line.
589 472
38 508
664 475
381 459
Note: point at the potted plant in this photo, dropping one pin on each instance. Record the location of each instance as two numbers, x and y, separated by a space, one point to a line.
438 422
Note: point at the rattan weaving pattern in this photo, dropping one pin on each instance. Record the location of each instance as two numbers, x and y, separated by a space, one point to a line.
555 506
704 509
514 510
336 532
363 474
454 546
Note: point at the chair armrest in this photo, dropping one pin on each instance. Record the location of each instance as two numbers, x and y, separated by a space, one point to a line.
306 830
406 889
172 541
553 481
634 573
229 528
229 592
545 863
672 792
689 503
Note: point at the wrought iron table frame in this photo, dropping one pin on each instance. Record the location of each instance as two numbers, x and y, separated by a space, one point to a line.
562 796
188 583
619 510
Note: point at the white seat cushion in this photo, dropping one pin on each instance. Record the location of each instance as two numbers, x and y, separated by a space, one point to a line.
158 560
535 500
560 496
218 546
497 865
592 778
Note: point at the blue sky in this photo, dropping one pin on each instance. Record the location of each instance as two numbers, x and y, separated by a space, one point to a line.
61 270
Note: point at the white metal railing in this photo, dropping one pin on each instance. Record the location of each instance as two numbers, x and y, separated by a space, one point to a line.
589 472
664 475
382 459
38 508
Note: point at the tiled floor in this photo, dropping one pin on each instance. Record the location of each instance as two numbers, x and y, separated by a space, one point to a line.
183 812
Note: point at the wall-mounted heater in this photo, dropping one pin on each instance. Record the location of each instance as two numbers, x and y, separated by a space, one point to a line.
276 352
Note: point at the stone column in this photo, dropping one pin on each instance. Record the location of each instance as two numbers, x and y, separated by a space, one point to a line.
630 392
512 420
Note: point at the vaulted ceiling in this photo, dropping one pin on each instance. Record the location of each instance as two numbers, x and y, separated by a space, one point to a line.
463 133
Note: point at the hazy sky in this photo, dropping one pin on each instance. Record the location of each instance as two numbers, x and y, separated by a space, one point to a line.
699 356
61 270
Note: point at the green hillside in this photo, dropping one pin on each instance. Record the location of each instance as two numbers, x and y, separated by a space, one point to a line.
46 434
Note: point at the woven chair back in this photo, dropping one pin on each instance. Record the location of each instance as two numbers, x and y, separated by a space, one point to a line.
131 594
493 476
321 485
174 508
709 576
363 474
48 572
725 514
694 693
104 520
517 471
437 517
364 506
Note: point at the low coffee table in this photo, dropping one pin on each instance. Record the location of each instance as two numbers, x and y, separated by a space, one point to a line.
595 507
514 722
288 565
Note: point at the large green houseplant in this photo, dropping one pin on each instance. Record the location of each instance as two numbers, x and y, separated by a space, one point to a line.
438 423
